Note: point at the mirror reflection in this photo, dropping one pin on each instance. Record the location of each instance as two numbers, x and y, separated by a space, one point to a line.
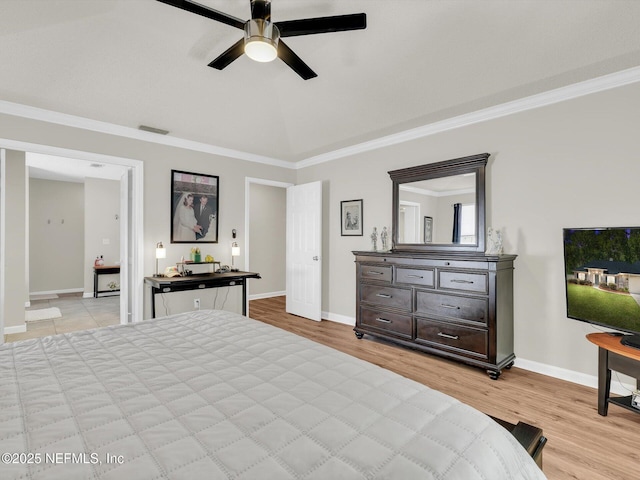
438 211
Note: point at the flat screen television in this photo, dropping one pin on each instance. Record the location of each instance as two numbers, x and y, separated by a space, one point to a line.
602 268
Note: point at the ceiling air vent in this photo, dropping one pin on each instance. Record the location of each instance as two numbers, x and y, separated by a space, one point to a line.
159 131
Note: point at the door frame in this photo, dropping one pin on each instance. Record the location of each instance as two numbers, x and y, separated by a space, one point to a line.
136 233
248 181
415 207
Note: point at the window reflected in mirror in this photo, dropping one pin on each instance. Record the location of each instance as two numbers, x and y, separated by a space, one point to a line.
439 210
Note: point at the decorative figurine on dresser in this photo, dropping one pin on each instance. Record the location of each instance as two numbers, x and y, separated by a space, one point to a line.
444 298
384 237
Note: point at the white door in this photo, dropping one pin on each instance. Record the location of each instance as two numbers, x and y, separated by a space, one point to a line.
304 249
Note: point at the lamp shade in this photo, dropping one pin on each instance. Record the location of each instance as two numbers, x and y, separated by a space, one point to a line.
235 249
161 252
261 40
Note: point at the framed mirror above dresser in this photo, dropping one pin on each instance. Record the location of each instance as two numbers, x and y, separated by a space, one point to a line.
436 290
440 207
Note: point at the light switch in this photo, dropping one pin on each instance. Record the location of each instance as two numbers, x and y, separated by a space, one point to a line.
106 241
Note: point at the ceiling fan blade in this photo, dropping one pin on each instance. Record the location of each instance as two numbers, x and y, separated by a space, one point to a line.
294 61
234 51
310 26
196 8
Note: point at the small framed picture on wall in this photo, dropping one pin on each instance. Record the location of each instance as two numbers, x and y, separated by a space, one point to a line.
194 207
351 217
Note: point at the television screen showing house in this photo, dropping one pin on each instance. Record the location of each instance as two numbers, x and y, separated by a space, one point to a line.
602 268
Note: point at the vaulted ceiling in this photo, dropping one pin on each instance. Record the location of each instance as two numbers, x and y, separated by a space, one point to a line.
141 62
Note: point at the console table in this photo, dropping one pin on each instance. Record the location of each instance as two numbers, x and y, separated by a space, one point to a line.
612 355
103 270
196 282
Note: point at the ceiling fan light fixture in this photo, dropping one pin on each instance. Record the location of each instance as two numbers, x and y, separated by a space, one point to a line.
261 40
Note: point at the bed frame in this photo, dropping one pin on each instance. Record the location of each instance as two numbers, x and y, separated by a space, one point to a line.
530 437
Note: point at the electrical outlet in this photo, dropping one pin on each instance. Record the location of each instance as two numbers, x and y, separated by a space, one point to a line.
196 303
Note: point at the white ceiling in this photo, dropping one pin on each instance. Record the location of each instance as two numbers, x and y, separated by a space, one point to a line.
62 169
133 62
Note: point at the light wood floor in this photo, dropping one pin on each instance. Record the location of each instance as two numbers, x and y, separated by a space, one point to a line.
78 313
581 444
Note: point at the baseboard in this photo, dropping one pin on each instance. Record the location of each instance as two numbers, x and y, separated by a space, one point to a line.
579 378
618 388
334 317
570 376
51 292
16 329
259 296
87 295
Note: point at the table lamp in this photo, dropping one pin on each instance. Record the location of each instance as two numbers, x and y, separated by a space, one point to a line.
161 252
235 252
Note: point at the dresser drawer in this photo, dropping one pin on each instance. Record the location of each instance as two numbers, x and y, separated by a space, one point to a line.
415 276
453 306
374 272
389 322
452 336
386 296
477 282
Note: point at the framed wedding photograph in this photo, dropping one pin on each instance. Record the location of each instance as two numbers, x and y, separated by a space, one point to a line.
428 229
351 217
194 207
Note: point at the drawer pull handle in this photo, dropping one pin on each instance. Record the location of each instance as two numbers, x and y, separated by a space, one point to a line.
371 272
383 295
446 335
415 276
461 281
453 307
383 320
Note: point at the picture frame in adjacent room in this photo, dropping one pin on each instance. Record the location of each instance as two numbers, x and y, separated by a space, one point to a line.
194 207
428 229
351 218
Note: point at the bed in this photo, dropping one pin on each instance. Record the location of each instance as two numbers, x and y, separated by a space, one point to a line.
216 395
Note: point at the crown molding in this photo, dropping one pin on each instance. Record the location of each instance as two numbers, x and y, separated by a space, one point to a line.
49 116
587 87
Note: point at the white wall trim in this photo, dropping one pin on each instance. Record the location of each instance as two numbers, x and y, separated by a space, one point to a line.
618 388
606 82
248 181
52 292
587 87
260 296
16 329
49 116
335 317
136 167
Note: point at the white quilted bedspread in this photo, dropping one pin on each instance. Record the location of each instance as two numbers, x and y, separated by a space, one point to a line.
214 395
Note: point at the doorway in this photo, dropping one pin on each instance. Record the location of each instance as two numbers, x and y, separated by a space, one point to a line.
409 222
131 213
265 236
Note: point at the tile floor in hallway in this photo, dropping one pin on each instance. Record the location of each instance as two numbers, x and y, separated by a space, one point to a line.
77 314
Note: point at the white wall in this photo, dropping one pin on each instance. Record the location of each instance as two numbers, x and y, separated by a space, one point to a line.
102 229
267 233
56 235
549 168
15 249
545 168
158 161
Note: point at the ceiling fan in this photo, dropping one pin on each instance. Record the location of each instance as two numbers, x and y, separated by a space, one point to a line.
261 41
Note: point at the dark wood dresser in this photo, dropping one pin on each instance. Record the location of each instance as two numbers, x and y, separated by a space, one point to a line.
459 306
